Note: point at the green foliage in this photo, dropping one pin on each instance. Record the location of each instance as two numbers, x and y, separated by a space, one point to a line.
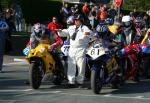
140 5
36 10
40 10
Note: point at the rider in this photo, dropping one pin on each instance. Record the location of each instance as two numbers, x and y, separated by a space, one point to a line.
140 28
128 30
41 33
130 37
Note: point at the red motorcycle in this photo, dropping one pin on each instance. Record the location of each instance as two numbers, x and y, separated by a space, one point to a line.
131 60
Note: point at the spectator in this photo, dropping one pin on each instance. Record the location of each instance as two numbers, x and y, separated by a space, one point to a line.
72 10
18 17
93 18
77 11
102 14
54 25
146 20
9 21
85 9
135 13
65 12
3 28
112 12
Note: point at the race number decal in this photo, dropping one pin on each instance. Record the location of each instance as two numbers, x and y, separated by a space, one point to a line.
26 51
65 49
96 51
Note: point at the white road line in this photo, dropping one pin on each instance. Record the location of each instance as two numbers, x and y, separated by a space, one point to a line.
19 60
139 96
39 92
26 94
109 96
15 63
75 94
26 90
11 101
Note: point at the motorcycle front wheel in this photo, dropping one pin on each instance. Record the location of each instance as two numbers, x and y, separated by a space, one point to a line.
35 75
96 82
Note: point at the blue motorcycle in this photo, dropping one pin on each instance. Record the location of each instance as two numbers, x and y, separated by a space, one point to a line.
103 67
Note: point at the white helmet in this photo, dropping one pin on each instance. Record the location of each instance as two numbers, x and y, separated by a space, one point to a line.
70 20
126 18
39 29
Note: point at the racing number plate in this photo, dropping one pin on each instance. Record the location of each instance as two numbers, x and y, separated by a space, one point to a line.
96 51
65 49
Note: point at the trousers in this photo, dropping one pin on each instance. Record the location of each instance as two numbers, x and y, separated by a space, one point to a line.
76 61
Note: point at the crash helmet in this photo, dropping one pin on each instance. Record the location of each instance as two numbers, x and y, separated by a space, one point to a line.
79 17
109 21
139 22
39 29
127 21
70 20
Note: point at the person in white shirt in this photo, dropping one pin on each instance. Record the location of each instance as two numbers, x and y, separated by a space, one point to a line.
79 39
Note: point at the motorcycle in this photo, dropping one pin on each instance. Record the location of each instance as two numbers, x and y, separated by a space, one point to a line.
103 67
131 56
41 63
64 56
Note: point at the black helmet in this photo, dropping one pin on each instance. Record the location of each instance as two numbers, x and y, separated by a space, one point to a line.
78 17
138 22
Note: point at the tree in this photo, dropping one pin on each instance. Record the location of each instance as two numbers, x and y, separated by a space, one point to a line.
140 5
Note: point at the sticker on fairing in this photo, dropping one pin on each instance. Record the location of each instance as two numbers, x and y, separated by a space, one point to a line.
96 51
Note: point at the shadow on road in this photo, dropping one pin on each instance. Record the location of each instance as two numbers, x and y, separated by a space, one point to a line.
8 84
132 88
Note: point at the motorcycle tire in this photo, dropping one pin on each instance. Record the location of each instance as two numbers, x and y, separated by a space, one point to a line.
96 82
35 75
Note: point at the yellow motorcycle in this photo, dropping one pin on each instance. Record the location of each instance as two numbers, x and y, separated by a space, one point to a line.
41 63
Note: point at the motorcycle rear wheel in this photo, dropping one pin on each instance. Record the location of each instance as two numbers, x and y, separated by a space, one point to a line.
96 82
35 75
